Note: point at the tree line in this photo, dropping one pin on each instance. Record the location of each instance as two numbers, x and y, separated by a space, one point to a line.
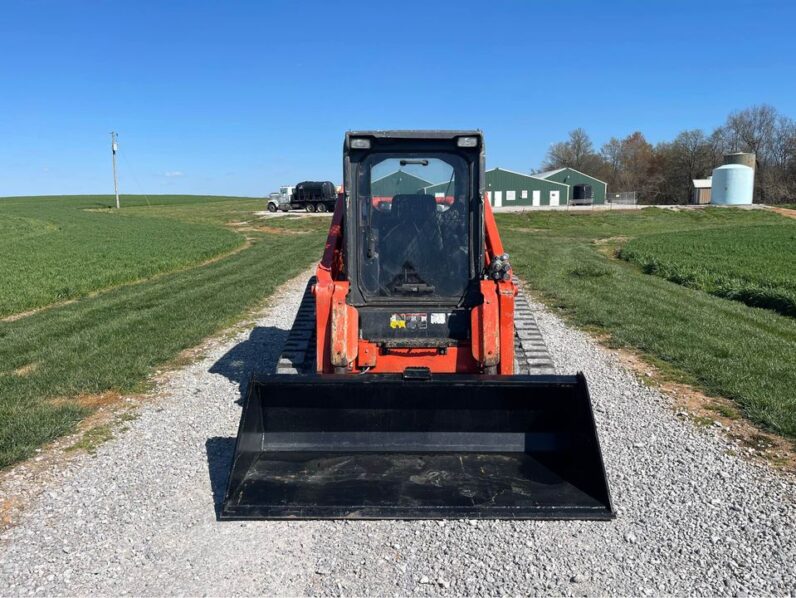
662 173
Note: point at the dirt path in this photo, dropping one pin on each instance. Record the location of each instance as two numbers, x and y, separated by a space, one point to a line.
783 212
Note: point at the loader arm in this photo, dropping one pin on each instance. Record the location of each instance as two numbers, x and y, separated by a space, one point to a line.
496 317
336 322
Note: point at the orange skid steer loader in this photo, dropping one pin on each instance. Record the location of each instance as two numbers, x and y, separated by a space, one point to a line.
419 385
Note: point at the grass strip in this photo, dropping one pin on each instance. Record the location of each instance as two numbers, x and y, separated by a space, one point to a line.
113 341
60 248
723 347
752 264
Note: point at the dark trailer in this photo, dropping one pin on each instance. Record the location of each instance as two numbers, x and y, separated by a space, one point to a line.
314 196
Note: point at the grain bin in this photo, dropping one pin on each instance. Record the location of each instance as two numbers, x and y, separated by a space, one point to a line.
733 184
743 158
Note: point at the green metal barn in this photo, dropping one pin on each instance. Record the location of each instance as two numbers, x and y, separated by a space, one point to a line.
508 188
582 187
397 182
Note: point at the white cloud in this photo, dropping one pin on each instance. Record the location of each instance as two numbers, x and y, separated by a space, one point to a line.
172 173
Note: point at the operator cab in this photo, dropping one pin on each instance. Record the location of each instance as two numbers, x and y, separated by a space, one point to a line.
414 206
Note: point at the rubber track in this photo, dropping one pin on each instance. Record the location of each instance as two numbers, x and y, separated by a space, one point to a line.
530 351
298 354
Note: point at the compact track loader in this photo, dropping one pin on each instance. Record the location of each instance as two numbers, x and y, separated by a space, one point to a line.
414 382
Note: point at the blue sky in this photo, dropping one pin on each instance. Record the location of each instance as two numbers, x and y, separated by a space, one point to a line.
240 97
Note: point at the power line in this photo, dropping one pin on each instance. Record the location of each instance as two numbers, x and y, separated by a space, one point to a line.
135 179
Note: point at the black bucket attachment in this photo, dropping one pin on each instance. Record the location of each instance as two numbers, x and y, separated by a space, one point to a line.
380 447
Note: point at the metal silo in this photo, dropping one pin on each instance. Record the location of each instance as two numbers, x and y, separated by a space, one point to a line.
744 158
733 184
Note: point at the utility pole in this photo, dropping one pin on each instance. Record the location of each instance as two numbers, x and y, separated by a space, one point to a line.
114 147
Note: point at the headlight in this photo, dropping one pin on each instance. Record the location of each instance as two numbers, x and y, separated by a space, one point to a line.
360 143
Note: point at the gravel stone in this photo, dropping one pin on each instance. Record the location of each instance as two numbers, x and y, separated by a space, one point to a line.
139 517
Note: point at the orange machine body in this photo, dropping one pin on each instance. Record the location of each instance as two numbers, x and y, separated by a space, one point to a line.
340 347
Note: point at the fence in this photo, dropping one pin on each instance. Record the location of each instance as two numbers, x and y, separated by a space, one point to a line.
627 198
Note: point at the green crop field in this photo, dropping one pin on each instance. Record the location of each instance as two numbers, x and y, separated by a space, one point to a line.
722 346
150 288
752 264
113 339
57 248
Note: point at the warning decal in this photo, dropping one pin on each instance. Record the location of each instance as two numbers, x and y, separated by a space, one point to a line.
397 321
418 321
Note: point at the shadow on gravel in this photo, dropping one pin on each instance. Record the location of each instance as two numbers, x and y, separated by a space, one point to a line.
219 461
258 353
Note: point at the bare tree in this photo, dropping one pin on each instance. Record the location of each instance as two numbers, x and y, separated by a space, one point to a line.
689 156
780 183
637 158
630 165
582 148
753 130
576 152
720 143
611 153
558 156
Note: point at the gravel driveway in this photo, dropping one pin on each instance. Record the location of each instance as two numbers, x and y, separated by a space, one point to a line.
139 517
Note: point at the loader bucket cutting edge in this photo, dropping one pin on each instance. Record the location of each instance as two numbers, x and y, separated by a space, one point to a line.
380 447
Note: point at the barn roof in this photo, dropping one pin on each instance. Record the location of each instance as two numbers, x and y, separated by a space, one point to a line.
549 173
702 183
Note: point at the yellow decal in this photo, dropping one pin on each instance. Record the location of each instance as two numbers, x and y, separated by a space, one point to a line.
397 321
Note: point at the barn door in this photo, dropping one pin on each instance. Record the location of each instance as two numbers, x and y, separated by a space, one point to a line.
537 198
554 198
498 199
